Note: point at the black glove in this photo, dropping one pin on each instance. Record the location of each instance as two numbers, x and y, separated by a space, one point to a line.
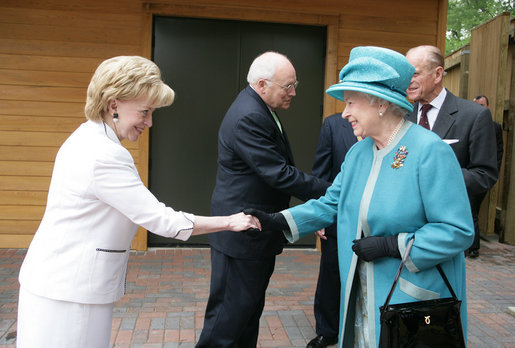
253 232
371 248
269 221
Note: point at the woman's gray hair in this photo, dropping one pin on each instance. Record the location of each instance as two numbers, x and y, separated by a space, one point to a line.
264 66
394 108
125 78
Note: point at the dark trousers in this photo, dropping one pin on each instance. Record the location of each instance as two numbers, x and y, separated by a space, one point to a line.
475 205
327 296
236 301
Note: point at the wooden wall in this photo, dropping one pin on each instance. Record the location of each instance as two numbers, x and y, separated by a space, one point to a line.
49 50
485 67
488 75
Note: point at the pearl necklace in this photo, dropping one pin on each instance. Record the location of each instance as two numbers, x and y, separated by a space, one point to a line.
395 131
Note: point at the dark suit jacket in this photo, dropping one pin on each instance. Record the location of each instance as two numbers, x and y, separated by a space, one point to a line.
255 170
336 138
471 125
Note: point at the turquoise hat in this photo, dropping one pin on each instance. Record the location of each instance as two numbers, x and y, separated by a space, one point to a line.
378 71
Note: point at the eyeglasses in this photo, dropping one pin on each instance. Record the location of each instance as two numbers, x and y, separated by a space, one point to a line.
287 88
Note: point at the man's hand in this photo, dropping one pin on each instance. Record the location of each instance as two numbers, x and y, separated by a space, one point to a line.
321 234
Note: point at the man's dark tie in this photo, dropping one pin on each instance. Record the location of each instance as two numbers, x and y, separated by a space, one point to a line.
423 116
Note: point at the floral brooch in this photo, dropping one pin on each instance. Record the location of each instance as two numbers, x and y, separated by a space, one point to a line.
400 156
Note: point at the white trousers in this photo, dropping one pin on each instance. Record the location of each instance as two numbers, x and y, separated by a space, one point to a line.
43 322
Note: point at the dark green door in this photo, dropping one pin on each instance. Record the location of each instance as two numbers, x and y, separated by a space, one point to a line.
206 63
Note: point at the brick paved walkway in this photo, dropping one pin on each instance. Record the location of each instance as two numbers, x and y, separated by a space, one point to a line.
167 292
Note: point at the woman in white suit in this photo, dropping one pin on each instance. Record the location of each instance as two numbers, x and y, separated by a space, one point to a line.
75 267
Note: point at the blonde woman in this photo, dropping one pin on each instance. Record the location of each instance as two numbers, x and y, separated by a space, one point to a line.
75 267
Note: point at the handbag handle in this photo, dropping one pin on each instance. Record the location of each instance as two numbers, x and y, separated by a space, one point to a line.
401 266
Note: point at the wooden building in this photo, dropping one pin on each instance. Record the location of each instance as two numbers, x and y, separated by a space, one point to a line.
50 49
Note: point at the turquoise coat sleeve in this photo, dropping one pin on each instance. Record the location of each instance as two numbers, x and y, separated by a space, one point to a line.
315 214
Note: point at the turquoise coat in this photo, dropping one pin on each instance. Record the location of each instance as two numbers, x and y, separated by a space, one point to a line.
414 187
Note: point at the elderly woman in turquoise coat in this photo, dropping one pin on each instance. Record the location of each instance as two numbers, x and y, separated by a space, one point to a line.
400 182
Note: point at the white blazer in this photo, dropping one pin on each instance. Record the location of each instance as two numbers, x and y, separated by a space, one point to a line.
96 201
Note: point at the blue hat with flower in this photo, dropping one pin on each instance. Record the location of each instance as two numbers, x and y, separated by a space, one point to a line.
379 71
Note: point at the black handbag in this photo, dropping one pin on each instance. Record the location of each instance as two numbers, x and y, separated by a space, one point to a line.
432 323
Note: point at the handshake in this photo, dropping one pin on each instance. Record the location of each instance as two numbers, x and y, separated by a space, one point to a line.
269 221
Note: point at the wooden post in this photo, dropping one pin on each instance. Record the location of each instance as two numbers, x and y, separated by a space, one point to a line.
464 71
507 216
139 242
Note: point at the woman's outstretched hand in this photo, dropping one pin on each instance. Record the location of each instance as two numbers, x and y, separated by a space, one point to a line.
244 222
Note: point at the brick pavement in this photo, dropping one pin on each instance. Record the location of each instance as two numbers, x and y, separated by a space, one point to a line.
167 290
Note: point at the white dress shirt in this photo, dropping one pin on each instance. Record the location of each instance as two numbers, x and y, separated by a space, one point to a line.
432 113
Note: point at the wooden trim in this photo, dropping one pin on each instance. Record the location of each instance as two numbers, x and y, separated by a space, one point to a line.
239 12
441 24
507 218
331 67
456 58
452 62
492 196
139 242
464 72
502 66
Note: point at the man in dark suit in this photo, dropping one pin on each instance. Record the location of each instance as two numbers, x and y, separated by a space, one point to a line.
476 200
483 101
463 124
336 138
255 170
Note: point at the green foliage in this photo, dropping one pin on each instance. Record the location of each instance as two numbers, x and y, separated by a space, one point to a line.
464 15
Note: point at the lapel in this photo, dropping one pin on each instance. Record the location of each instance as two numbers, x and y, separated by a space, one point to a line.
412 116
447 116
265 108
277 122
282 136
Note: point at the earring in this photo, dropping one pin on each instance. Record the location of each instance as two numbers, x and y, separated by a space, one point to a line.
115 117
380 114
